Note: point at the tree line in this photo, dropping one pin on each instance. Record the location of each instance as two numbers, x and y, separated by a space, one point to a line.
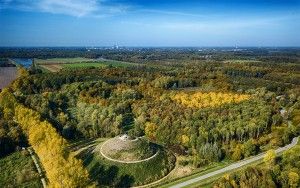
62 168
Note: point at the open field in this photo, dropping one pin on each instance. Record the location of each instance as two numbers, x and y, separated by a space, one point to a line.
17 170
56 64
63 60
82 65
51 68
97 64
7 75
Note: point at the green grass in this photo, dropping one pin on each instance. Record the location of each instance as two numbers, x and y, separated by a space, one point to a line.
18 170
82 65
79 144
63 60
209 182
113 174
117 63
43 69
205 170
83 62
98 64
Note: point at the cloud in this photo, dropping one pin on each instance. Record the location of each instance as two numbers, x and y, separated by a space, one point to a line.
176 13
77 8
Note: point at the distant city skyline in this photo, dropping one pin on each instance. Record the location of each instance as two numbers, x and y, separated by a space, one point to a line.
150 23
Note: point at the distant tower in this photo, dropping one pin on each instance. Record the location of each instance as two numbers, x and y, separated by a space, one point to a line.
116 47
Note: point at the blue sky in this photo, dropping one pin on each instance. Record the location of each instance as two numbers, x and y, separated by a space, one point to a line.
149 23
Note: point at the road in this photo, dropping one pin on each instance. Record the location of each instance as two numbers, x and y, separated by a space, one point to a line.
37 167
234 165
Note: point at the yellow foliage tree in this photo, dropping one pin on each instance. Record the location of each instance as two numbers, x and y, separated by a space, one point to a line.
150 130
62 168
269 158
210 99
293 179
185 139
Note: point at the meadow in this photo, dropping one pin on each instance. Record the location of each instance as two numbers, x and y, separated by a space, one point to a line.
7 75
57 64
62 60
18 170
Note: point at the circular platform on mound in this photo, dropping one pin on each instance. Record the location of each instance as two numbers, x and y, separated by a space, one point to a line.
125 149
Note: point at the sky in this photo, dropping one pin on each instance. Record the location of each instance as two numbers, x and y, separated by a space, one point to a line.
197 23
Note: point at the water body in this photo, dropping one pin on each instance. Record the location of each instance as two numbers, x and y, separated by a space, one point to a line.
23 61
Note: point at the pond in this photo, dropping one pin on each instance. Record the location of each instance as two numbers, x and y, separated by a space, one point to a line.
25 62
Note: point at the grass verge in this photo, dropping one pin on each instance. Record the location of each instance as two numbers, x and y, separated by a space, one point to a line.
18 170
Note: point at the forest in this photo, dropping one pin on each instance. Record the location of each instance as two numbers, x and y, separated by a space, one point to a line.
207 110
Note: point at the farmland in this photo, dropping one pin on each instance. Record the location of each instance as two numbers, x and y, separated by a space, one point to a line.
63 60
113 123
57 64
7 75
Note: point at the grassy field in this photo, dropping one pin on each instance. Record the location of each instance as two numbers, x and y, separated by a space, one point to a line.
113 174
62 60
197 172
82 65
56 64
98 64
18 170
7 75
209 182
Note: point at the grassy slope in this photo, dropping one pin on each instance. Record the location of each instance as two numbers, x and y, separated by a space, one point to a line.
110 173
17 170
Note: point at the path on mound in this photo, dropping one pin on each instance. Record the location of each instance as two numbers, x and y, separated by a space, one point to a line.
121 161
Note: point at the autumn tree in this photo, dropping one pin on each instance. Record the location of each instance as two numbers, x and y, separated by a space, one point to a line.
269 158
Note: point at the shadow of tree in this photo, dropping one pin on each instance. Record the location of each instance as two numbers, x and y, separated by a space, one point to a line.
109 177
125 181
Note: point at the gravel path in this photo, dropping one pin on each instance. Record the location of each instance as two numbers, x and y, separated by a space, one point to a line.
234 165
37 167
121 161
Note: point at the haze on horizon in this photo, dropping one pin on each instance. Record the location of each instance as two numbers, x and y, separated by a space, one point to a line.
149 23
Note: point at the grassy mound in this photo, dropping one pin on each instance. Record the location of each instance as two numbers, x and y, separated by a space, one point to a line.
114 174
127 149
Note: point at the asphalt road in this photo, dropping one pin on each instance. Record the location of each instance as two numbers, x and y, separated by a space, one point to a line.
234 165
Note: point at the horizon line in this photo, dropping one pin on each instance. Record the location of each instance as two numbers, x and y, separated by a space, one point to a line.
124 46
